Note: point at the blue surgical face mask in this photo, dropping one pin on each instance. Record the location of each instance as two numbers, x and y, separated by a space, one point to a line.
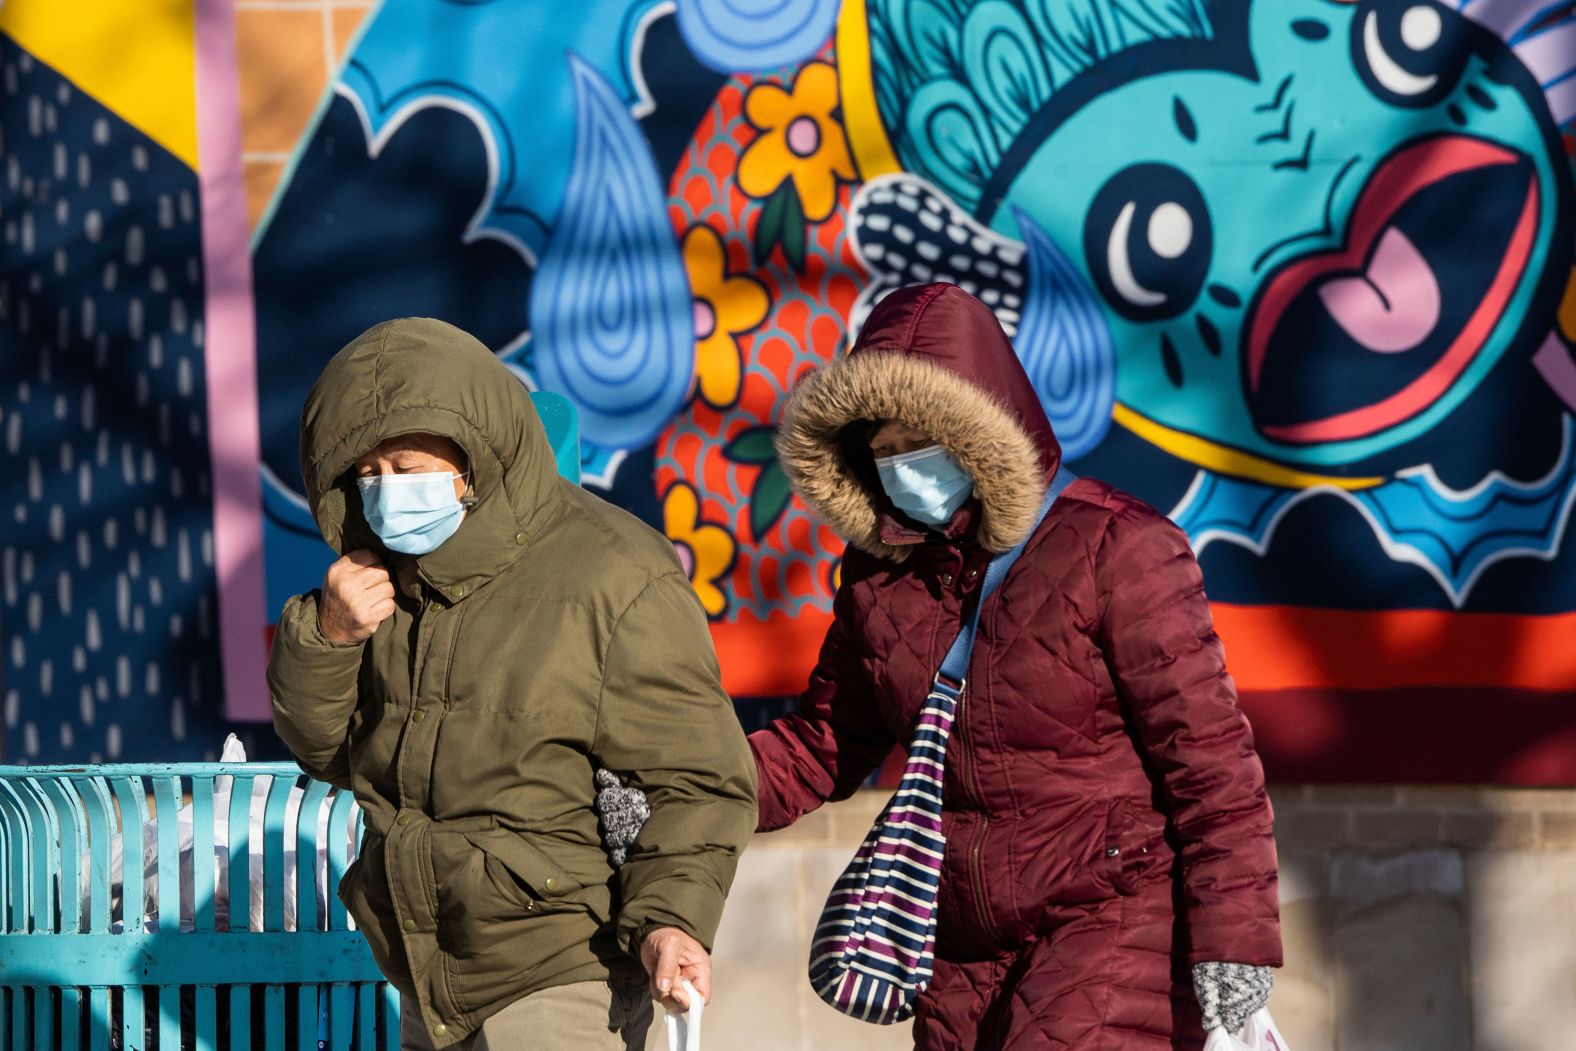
411 513
926 484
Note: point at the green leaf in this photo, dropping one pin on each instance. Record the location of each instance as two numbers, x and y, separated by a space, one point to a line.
753 446
769 227
793 232
768 500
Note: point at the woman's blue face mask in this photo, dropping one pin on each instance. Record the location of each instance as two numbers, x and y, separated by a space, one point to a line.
412 513
927 484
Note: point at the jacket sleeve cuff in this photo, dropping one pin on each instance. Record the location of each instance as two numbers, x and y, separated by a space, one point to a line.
638 935
299 629
1258 944
672 902
303 660
772 811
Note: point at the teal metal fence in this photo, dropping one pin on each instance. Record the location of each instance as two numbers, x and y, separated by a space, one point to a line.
181 906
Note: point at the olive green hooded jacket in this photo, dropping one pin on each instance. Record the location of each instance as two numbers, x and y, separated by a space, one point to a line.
553 633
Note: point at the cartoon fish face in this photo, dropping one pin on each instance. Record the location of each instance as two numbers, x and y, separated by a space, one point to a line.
1312 235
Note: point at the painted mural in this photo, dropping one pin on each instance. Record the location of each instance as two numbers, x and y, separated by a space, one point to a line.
1298 273
126 408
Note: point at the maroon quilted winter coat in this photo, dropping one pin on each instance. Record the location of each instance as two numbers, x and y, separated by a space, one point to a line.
1101 782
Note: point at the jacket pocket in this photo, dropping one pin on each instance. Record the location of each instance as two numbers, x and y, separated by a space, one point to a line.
1130 848
527 875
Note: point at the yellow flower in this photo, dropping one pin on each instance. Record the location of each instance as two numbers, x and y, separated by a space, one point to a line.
800 140
726 306
705 550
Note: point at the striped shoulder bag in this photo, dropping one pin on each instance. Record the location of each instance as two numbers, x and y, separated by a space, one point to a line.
874 948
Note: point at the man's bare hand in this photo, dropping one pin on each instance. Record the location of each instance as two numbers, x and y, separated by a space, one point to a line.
357 596
670 955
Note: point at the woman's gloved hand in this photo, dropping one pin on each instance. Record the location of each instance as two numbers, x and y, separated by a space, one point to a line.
623 811
1230 993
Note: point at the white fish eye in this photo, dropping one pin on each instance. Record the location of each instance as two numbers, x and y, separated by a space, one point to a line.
1147 240
1421 27
1170 230
1386 70
1411 53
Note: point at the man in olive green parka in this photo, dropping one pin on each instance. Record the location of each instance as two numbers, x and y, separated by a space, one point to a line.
550 635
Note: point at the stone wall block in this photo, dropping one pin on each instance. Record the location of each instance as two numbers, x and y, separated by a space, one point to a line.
1522 927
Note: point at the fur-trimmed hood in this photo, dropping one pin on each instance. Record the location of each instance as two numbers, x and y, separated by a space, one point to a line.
934 358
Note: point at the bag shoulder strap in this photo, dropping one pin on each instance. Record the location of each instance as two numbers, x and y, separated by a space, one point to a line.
955 668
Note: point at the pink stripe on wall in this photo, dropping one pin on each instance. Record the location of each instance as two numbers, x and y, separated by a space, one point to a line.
231 356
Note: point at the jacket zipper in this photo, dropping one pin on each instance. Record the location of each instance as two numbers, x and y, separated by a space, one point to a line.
976 875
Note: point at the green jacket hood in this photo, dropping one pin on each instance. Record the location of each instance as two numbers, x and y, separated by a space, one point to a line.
423 375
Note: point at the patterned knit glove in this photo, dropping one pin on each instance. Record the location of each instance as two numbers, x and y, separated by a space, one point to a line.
623 812
1230 993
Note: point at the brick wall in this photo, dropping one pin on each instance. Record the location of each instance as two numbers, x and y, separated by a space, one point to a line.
1428 917
1328 817
1415 918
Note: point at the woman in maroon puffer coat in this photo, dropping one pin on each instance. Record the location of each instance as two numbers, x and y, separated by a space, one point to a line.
1108 833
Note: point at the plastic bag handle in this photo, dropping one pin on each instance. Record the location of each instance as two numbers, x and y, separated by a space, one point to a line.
684 1029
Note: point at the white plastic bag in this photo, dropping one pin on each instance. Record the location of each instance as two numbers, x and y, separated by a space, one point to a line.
684 1029
233 752
1259 1034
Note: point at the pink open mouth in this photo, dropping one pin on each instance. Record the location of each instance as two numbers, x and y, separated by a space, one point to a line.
1347 342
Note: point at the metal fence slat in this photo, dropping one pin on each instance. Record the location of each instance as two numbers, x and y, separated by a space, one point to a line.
274 1018
19 842
305 874
98 1019
390 1015
132 1034
367 1017
19 1003
204 883
274 854
169 1016
238 829
241 1018
43 1018
133 806
71 1019
66 850
341 1016
307 1017
339 836
206 1036
42 869
167 829
96 804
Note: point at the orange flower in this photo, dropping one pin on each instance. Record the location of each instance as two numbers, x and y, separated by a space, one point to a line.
726 306
705 550
800 140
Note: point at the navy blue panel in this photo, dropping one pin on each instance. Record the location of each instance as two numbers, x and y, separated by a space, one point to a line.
106 531
358 239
